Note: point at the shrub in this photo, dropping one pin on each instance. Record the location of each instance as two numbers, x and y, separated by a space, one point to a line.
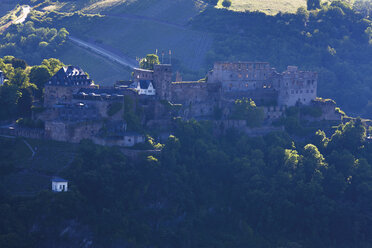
226 3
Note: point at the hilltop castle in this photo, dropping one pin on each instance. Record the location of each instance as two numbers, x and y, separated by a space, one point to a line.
77 109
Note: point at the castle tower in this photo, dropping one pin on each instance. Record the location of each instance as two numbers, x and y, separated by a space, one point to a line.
162 79
297 87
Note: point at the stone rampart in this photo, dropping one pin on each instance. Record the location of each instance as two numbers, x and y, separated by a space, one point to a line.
33 133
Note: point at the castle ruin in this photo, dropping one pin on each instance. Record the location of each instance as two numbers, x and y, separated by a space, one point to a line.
76 108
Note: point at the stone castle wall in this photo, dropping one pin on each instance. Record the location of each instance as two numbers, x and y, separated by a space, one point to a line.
71 132
297 86
197 98
162 78
58 94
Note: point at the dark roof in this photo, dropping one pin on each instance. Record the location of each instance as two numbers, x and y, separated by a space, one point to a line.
144 84
70 76
59 180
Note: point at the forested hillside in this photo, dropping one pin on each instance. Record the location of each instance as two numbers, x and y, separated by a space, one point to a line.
308 186
204 191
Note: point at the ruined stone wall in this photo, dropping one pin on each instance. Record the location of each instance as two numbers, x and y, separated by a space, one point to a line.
33 133
71 132
297 87
273 112
241 76
261 97
56 130
197 99
101 106
328 108
59 94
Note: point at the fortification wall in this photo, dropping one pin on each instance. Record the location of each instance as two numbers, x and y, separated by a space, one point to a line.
71 132
197 99
329 113
33 133
273 112
259 96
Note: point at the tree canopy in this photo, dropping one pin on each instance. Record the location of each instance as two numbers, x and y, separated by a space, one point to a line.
149 61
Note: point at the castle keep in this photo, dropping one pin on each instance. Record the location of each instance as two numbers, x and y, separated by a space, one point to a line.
77 109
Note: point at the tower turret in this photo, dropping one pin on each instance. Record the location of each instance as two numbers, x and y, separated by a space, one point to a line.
162 79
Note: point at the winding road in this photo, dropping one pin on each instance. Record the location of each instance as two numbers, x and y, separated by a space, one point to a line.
103 52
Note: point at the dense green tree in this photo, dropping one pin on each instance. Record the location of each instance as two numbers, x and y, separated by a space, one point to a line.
149 62
9 95
313 4
30 42
39 75
53 65
20 78
246 109
350 136
19 63
226 3
24 103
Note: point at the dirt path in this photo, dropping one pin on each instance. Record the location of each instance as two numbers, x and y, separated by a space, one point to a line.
30 147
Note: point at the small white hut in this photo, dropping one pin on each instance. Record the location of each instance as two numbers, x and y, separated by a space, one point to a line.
59 184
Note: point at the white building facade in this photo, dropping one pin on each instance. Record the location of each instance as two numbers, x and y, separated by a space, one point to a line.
59 185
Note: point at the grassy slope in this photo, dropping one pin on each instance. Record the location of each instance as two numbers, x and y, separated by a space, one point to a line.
33 175
5 7
100 69
141 28
267 6
270 7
